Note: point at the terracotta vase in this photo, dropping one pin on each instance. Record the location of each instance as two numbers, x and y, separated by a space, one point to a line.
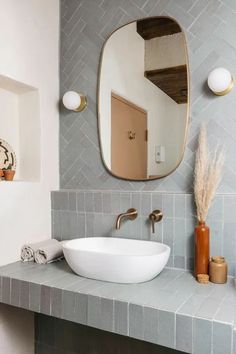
202 249
1 173
9 175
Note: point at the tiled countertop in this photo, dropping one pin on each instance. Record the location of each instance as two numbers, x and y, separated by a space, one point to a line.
172 310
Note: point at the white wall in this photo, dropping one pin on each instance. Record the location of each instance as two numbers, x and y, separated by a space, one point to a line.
122 71
9 122
29 42
166 51
20 127
16 331
162 52
171 134
30 136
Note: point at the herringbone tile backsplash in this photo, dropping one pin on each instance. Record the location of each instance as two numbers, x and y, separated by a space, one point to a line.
211 36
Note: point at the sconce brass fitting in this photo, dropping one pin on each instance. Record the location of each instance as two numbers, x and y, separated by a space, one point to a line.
83 103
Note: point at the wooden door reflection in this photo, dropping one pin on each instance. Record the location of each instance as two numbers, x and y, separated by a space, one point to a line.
128 139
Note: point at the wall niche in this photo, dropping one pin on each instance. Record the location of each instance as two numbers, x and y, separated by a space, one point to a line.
20 126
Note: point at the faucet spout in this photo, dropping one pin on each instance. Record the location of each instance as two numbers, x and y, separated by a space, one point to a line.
131 214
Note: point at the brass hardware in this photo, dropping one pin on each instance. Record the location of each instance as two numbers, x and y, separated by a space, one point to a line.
155 216
131 214
227 90
83 103
131 135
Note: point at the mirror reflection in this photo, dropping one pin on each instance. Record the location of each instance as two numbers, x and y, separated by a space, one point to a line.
143 99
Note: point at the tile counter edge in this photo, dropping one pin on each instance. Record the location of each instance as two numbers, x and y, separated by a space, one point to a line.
172 310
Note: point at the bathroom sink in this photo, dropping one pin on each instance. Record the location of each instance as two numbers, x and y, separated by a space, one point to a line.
116 259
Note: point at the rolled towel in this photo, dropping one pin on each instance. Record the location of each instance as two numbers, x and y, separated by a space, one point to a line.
51 249
48 252
28 251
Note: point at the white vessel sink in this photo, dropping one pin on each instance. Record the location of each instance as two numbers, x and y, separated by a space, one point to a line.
116 259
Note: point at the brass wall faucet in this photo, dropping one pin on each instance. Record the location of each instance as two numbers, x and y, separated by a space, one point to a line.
131 214
155 216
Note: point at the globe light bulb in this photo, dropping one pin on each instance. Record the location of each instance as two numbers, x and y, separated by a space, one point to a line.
71 100
220 81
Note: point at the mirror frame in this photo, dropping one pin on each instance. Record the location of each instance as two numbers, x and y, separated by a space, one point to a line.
98 103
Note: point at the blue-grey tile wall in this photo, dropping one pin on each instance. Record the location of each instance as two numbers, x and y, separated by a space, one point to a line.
91 198
94 213
85 25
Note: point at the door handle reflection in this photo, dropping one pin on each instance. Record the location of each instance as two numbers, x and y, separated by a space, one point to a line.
131 135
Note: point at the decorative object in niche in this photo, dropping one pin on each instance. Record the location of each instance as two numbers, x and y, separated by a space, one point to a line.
74 101
143 99
7 161
9 173
207 176
20 125
220 81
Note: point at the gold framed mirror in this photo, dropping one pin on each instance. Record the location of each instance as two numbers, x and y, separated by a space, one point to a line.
143 99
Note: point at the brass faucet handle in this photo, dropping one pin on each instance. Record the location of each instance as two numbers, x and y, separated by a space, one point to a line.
155 216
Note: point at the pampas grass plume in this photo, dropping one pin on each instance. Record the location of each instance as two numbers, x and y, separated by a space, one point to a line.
207 175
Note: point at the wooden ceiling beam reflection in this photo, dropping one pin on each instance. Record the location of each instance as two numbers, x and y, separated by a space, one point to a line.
157 27
173 81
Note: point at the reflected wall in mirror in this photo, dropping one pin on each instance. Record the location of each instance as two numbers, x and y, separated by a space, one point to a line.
143 99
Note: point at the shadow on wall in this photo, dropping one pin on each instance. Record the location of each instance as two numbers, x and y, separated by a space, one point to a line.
16 330
56 336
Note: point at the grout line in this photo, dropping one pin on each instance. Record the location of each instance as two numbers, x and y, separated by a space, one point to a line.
174 231
226 194
232 339
223 224
128 305
175 331
192 335
212 337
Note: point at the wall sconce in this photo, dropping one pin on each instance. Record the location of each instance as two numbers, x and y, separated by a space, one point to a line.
220 81
74 101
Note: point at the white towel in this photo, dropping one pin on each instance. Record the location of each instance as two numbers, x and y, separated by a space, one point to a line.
28 250
42 252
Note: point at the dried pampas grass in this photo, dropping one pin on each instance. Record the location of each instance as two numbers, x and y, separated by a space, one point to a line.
207 175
